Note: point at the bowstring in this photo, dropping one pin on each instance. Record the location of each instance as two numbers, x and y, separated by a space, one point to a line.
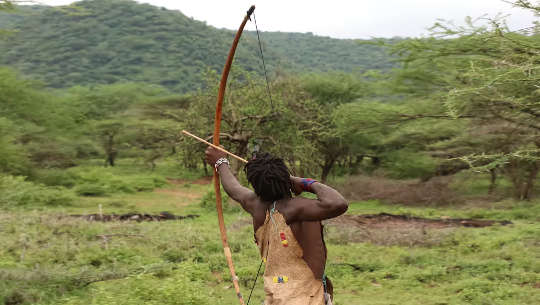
263 62
255 282
272 105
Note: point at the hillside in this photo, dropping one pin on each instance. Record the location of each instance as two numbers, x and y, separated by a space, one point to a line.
106 41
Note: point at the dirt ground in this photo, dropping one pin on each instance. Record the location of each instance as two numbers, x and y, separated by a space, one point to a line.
383 220
404 230
134 217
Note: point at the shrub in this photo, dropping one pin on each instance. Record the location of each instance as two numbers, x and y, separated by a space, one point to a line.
102 182
56 177
85 149
174 255
13 156
178 289
209 202
89 189
403 164
52 153
16 191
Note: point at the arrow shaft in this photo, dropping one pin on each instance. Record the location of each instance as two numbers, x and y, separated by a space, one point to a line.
214 146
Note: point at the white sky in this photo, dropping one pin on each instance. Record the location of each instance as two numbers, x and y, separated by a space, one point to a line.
342 18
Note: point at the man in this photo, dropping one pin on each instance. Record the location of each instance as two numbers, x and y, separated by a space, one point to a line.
288 229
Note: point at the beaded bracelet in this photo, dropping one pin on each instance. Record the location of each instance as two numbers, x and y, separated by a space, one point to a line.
221 161
306 184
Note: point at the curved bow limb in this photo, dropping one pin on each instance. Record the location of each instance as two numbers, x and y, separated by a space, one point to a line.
217 127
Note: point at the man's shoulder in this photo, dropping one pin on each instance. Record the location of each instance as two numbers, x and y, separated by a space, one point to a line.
256 205
291 208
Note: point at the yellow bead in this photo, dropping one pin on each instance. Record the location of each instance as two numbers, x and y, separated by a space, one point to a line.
275 279
285 242
264 259
285 279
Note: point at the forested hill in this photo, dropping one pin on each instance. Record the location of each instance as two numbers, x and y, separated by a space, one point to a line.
105 41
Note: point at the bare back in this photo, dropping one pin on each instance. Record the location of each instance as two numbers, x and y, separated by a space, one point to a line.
308 233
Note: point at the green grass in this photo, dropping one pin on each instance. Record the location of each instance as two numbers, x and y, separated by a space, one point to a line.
48 258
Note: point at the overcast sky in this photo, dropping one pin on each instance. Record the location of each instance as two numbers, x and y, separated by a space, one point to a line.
342 18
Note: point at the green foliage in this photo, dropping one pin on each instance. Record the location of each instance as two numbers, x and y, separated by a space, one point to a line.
102 181
334 88
56 177
486 77
310 53
179 289
51 151
13 159
171 262
103 101
208 202
26 103
403 164
127 41
16 192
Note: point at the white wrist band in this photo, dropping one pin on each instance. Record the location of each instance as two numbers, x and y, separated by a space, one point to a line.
221 161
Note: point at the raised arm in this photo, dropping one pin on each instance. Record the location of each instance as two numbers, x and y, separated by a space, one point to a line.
329 202
230 184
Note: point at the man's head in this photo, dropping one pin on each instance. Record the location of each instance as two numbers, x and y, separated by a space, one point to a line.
269 176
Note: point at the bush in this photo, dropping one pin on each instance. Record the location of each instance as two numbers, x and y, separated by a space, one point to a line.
102 181
47 152
86 149
209 202
13 156
89 189
16 191
178 289
404 164
56 177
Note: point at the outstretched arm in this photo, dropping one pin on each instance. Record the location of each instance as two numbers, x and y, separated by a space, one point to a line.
329 203
232 187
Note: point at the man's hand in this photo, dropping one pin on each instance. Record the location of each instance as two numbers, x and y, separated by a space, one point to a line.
212 155
296 185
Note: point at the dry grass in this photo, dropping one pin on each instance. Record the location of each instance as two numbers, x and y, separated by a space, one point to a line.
387 231
436 191
390 235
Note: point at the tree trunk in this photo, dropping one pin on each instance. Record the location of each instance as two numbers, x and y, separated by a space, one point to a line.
523 175
241 151
493 180
529 183
355 165
110 150
110 158
327 167
205 166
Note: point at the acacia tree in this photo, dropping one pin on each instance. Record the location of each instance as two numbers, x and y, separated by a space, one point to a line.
328 92
488 76
10 4
250 117
107 132
154 139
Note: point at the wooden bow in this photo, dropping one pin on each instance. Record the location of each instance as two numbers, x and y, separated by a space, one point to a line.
217 126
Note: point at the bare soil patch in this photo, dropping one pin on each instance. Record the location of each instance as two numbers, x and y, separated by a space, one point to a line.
134 217
436 191
404 230
405 221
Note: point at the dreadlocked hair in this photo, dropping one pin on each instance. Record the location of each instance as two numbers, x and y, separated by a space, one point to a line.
269 176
